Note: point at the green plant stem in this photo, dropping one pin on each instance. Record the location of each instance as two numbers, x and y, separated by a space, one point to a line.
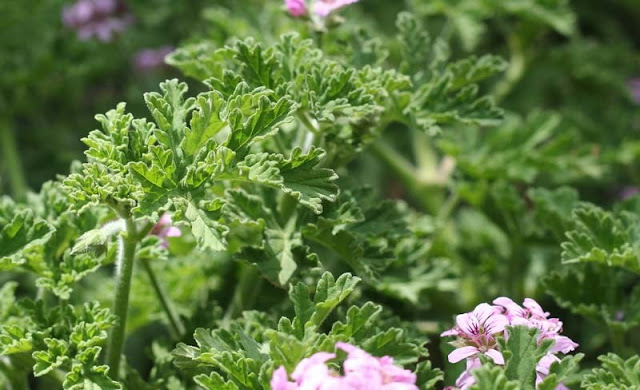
177 328
617 340
121 302
12 162
245 294
424 193
517 66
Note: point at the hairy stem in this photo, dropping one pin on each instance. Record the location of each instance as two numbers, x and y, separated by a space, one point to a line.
126 257
12 162
177 328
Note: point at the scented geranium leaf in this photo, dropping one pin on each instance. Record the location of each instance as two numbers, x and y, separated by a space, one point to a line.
170 110
577 288
15 339
208 231
490 377
553 209
522 353
70 270
560 371
443 94
54 357
358 319
20 232
261 168
522 150
115 144
603 237
329 292
615 373
206 121
214 382
426 376
416 44
469 17
86 374
257 65
366 246
305 181
264 122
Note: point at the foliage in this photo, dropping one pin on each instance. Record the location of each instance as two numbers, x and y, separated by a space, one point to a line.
302 180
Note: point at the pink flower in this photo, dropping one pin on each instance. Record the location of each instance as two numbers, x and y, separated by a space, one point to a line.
325 7
163 229
100 18
361 372
542 370
149 59
321 8
296 7
476 333
534 316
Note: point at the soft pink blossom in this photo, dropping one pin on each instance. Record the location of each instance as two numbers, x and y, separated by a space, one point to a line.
296 7
542 370
102 19
476 333
362 371
164 229
325 7
149 59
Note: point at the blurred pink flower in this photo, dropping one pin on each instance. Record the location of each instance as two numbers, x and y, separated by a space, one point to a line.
321 8
325 7
149 59
164 229
296 7
100 18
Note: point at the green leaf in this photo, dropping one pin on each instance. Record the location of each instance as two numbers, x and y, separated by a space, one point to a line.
522 353
21 233
214 382
615 373
261 124
206 121
54 357
305 181
560 371
603 238
208 231
489 377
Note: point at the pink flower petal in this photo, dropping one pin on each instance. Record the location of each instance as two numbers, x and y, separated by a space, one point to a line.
462 353
496 356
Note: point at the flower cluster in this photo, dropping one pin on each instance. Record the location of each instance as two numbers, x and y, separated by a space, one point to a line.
149 59
164 229
361 371
321 8
477 331
100 18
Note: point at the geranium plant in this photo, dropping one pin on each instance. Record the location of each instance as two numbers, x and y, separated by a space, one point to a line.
327 195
